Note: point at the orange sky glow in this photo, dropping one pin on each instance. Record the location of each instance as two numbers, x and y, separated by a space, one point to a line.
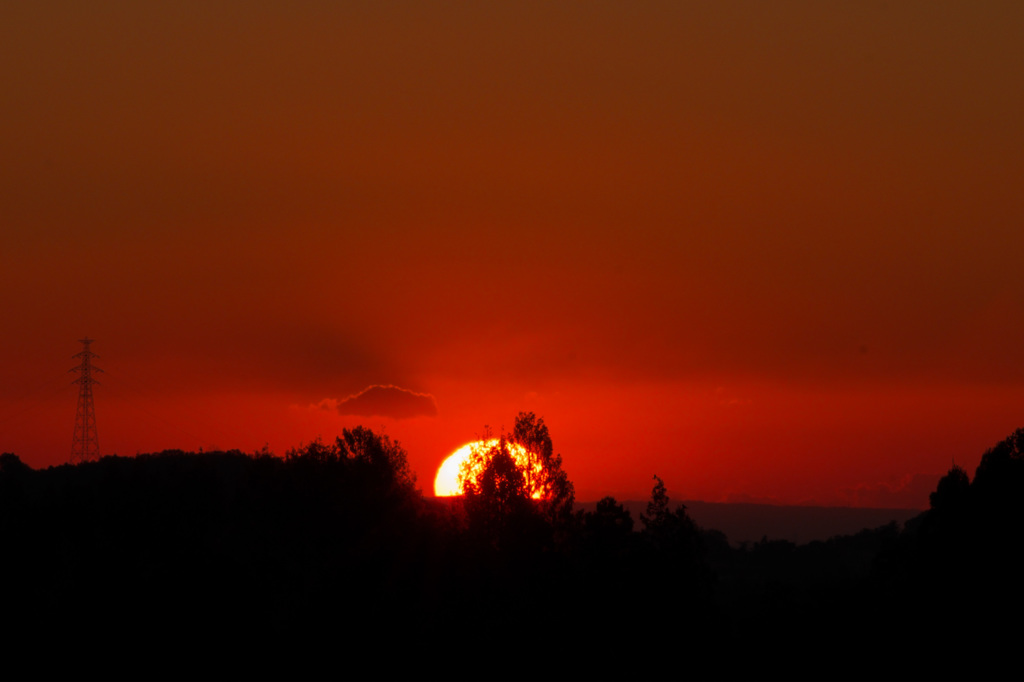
766 251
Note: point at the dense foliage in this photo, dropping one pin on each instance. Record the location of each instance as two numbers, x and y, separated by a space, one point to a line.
226 564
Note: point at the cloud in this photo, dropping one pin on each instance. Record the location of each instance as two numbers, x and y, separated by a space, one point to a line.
384 401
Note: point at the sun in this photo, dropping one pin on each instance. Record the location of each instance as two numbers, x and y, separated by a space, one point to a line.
447 484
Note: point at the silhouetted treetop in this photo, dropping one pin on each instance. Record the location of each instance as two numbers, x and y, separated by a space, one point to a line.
557 492
13 473
610 514
667 528
316 452
499 510
516 493
657 508
609 526
377 452
952 491
1002 463
501 484
373 454
11 464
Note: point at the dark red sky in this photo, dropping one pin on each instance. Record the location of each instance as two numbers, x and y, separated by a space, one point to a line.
764 250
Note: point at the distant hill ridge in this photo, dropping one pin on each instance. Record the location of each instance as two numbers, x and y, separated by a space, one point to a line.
749 522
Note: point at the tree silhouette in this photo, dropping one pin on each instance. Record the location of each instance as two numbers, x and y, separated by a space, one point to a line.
609 517
365 453
314 453
517 482
952 492
672 531
14 475
496 499
1000 474
608 530
657 508
383 458
532 434
543 476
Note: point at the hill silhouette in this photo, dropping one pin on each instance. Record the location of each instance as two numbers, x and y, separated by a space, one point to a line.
329 563
747 522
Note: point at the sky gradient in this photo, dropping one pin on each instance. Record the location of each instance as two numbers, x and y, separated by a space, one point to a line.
767 251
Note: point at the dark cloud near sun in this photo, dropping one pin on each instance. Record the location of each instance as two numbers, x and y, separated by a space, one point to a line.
385 401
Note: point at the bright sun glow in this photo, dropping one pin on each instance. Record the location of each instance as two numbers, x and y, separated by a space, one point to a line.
446 483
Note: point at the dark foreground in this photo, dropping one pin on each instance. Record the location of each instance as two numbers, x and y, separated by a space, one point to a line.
329 564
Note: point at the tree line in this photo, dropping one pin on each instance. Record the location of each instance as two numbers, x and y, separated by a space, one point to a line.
232 564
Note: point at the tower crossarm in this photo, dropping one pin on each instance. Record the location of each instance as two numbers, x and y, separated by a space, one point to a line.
85 366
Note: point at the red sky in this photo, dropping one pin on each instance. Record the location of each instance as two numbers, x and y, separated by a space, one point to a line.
768 251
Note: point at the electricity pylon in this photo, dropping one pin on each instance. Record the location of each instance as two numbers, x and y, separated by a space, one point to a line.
85 445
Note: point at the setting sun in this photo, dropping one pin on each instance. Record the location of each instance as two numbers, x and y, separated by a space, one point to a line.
447 483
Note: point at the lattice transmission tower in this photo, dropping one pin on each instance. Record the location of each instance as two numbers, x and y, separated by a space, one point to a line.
85 445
